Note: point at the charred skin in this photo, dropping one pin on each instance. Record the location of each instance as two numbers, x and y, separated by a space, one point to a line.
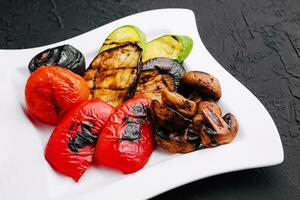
168 118
113 74
158 74
198 119
65 56
174 142
218 130
183 105
173 131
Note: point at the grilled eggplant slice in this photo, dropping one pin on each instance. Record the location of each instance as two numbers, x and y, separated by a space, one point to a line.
127 34
157 74
175 47
113 74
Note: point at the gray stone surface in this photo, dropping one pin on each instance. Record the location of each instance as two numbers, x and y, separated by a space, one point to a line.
257 41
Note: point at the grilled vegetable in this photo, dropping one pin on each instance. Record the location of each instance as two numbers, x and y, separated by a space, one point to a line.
182 142
175 47
204 83
51 91
186 107
217 130
157 74
127 34
198 119
172 120
71 147
65 56
126 141
112 75
168 118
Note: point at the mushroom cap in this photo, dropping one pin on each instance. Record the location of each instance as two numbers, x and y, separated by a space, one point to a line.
167 117
204 83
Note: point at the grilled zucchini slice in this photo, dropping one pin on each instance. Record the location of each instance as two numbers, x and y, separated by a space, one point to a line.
175 47
127 34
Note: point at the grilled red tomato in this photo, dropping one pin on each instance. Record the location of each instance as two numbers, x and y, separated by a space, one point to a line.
51 91
126 141
71 147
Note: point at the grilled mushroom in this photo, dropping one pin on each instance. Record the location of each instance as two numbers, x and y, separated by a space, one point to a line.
186 107
205 83
198 118
218 130
186 142
167 117
159 73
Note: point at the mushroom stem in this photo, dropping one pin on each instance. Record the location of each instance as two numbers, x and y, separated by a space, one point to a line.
185 106
216 121
220 130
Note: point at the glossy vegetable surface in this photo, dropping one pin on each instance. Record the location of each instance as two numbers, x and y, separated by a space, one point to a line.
124 35
112 75
126 141
157 74
51 91
218 130
71 147
176 47
65 56
206 84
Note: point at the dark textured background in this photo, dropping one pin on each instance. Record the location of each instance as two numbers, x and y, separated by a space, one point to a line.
257 41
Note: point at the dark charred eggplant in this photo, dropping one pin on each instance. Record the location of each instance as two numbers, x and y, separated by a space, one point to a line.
217 130
204 83
65 56
157 74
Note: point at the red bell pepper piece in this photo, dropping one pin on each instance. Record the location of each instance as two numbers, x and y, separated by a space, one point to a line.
71 147
126 141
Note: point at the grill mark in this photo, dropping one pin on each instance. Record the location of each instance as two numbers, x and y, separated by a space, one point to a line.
133 64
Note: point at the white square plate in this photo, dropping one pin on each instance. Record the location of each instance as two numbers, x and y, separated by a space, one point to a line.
24 173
